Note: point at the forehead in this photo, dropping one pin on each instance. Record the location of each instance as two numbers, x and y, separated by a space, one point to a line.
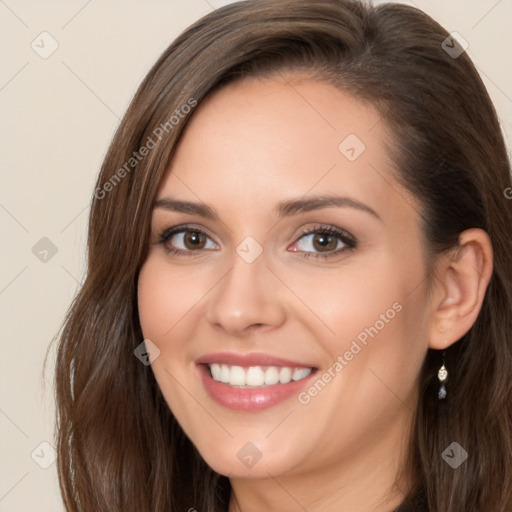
256 140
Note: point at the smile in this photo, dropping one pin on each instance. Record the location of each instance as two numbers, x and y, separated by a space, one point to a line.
252 382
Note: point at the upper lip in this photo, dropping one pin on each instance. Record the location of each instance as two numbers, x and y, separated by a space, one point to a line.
254 359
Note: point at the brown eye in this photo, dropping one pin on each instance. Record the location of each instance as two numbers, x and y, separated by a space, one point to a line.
187 240
194 240
324 242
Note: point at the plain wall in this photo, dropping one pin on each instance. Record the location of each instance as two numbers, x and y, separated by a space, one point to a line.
58 116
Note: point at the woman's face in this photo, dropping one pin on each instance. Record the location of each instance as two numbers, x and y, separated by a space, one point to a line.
300 257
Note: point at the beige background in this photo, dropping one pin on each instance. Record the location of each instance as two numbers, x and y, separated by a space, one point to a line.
58 115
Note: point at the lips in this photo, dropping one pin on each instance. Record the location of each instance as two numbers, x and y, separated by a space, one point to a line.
252 382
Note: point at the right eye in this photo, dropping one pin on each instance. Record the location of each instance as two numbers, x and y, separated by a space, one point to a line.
186 240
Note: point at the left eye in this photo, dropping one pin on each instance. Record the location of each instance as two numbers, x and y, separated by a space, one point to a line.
321 242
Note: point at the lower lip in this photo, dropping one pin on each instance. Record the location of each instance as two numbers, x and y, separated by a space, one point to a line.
250 399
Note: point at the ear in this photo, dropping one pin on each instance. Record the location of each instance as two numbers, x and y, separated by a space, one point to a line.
461 279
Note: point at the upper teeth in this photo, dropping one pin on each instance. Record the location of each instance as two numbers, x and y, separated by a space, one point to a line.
256 375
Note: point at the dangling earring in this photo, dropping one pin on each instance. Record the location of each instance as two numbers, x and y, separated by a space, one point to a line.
442 375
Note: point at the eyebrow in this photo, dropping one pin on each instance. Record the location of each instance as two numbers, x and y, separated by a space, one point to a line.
189 207
296 206
284 209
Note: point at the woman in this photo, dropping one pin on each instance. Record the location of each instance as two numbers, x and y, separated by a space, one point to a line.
303 214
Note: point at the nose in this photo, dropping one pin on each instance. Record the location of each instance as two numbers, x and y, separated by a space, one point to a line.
247 299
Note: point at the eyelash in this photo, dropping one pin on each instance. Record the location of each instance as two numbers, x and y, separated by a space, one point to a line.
346 238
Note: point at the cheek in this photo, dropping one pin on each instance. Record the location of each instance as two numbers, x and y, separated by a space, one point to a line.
344 303
375 355
153 300
370 318
164 298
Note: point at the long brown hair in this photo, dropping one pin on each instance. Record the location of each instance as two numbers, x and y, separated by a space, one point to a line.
119 446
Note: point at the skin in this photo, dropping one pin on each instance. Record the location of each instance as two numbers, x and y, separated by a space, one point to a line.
250 146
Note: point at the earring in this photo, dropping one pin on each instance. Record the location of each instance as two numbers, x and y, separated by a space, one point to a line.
442 375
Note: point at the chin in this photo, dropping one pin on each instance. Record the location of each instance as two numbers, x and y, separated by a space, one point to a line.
246 460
